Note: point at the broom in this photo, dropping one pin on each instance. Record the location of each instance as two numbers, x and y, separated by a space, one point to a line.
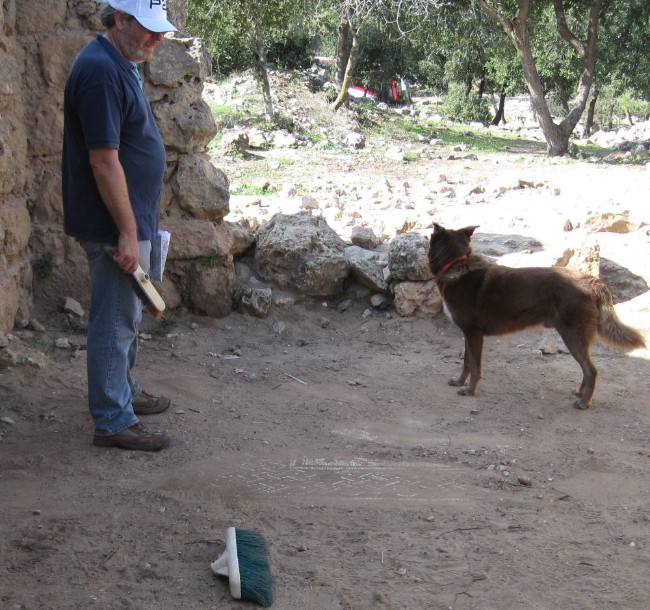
246 564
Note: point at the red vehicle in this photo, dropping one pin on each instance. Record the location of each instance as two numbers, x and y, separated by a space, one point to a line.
360 92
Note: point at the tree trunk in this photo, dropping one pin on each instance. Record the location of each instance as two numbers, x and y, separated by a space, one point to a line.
591 110
501 110
481 87
556 136
610 117
261 70
349 70
342 50
563 95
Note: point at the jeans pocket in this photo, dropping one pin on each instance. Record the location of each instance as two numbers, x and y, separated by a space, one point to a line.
93 249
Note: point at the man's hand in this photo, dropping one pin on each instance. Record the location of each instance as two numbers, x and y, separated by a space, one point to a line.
127 253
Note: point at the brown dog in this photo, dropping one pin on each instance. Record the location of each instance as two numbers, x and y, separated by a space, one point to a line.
484 298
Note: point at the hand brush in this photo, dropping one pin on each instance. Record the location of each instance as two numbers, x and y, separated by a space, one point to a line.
246 564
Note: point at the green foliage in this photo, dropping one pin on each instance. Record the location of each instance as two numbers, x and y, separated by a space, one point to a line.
487 143
429 73
291 50
44 266
223 31
384 56
463 107
212 259
391 128
613 109
291 31
628 104
411 157
283 162
558 66
224 116
624 36
286 122
282 121
246 188
252 116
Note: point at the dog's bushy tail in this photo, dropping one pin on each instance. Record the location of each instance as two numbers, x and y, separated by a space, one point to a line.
610 327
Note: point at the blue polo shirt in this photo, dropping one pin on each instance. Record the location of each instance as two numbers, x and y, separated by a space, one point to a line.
105 107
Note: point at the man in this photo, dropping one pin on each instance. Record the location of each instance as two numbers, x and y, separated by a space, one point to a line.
113 166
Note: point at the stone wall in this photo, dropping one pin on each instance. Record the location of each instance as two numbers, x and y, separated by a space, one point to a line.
38 42
15 270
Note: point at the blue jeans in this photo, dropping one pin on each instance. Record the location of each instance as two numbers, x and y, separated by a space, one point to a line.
113 321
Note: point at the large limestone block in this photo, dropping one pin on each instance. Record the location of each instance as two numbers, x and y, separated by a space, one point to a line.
201 189
193 238
46 125
8 19
13 154
177 58
11 60
301 252
39 17
184 119
413 298
48 240
15 227
13 134
56 54
408 257
177 70
242 239
10 301
366 267
170 293
48 206
211 289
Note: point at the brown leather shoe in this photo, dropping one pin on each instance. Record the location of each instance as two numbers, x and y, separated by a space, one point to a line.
136 438
147 404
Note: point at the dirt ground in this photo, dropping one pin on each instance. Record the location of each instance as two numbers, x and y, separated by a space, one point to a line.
335 434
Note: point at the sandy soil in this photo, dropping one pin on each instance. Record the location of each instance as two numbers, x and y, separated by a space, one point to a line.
337 436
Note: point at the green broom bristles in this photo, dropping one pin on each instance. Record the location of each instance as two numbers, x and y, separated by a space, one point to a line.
254 567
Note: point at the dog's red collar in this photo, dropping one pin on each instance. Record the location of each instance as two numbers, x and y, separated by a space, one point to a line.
450 265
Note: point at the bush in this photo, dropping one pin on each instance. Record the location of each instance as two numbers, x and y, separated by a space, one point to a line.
613 108
630 105
462 107
291 53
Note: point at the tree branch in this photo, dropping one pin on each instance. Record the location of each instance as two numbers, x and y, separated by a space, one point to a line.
563 28
493 14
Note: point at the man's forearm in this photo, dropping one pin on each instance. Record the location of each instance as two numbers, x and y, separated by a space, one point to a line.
111 182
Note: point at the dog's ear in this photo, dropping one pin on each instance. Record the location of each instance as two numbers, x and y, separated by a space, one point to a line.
437 230
468 231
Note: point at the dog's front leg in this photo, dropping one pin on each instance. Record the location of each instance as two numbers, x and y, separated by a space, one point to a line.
472 362
461 380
